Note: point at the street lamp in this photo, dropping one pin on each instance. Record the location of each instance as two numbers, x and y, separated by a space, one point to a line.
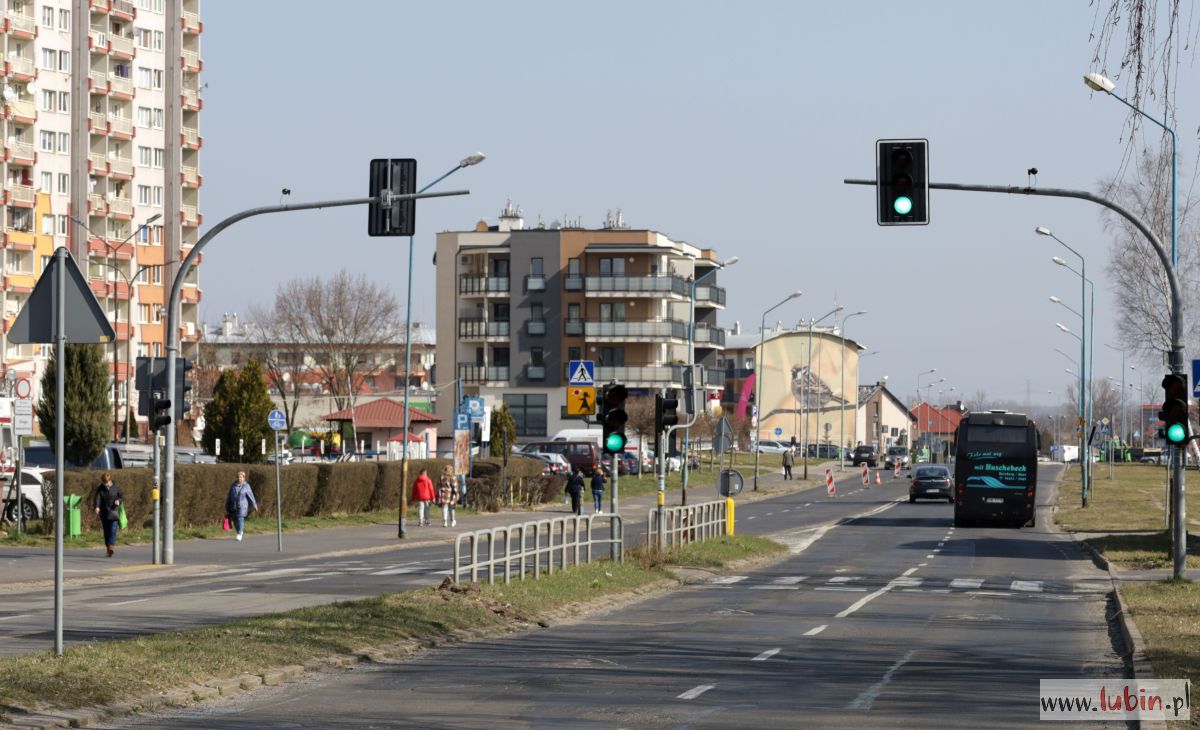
842 409
806 432
1098 82
1084 367
112 250
467 161
758 378
683 476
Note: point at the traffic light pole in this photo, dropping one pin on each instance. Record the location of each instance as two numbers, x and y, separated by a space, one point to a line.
1179 521
185 267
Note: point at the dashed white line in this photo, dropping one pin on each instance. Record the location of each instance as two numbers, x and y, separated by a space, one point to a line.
972 583
20 615
229 590
773 587
1029 586
817 630
750 518
931 555
922 565
845 578
695 692
766 655
848 589
126 603
1000 594
791 579
908 572
867 698
730 579
304 580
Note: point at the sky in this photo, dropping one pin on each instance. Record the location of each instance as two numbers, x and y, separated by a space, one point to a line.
729 126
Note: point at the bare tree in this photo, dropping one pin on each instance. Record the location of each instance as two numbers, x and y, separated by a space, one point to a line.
640 410
979 401
341 323
279 348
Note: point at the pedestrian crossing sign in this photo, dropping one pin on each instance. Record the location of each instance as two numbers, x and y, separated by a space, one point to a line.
581 400
581 372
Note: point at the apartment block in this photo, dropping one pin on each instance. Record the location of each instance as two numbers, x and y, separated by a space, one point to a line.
515 304
101 106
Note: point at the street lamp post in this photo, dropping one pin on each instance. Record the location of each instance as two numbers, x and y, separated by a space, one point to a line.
805 431
758 378
842 387
683 476
467 161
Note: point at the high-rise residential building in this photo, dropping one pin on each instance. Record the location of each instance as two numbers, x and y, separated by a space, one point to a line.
101 155
515 305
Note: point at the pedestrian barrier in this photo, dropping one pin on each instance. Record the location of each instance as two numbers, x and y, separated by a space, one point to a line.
693 523
550 544
866 480
829 488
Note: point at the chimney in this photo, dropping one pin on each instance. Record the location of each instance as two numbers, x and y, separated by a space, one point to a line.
511 218
737 327
226 328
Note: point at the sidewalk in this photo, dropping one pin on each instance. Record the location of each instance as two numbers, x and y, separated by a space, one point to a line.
26 565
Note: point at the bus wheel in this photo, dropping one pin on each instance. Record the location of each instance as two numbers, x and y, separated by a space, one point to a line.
911 499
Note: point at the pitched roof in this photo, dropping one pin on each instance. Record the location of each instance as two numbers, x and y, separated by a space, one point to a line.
381 413
944 420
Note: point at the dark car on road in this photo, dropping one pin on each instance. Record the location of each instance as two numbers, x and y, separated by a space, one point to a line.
823 451
931 482
865 454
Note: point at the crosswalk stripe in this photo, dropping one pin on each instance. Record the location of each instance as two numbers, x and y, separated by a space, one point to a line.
790 579
845 578
1029 586
971 583
730 579
773 587
906 582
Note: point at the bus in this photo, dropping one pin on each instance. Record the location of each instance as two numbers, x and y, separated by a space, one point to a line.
995 474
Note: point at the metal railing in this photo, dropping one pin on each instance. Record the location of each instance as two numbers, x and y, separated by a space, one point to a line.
693 523
710 295
483 374
121 44
655 329
532 547
535 282
478 328
476 284
656 284
710 335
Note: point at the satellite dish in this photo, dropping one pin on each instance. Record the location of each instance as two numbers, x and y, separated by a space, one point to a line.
29 88
9 94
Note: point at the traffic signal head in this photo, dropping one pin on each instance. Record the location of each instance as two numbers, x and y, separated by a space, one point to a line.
614 418
902 181
1174 413
666 412
162 413
183 385
397 177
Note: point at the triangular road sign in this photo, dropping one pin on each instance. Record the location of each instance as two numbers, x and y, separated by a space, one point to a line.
85 320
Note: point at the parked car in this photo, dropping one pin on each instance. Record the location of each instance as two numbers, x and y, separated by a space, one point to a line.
584 455
772 447
865 454
897 455
931 482
555 463
631 463
823 451
41 453
33 480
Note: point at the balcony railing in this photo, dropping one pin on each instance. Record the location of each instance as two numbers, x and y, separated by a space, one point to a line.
121 125
123 6
535 282
99 123
121 85
668 329
656 374
99 81
98 204
121 44
121 206
535 372
637 285
478 328
191 98
191 216
469 284
191 59
191 136
22 193
21 150
536 327
191 22
24 109
573 282
99 163
470 373
22 23
710 336
121 166
573 327
191 175
710 295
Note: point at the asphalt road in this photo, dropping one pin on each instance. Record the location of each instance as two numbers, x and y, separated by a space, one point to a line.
885 615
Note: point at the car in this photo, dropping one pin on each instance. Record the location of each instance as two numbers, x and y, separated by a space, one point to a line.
631 463
41 453
582 455
33 482
823 451
772 447
865 454
931 482
555 463
897 455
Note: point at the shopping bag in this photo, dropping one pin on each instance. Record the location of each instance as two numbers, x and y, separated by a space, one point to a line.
122 520
225 524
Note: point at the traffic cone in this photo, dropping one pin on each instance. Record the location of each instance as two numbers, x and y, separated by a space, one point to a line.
877 480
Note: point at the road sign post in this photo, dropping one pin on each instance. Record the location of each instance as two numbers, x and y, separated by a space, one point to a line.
278 423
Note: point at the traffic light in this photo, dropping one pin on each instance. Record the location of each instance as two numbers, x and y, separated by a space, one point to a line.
162 412
400 178
902 181
1174 413
614 418
666 412
183 384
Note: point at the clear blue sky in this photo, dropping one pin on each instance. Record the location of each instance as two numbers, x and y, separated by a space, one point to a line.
728 126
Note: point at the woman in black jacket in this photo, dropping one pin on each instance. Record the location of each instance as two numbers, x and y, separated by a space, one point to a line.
107 503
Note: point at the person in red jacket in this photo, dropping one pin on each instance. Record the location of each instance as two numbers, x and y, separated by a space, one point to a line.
422 494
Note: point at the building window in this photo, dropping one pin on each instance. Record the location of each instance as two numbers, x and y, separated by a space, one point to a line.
64 19
143 313
47 16
49 100
47 224
158 196
143 156
143 194
537 357
612 357
49 59
64 143
158 157
62 224
612 266
612 311
64 102
64 183
574 353
46 141
529 412
64 61
536 267
47 182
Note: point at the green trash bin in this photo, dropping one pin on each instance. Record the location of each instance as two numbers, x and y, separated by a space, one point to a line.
74 515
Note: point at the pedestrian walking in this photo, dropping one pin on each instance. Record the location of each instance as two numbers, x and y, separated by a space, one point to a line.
448 496
238 503
789 460
423 496
598 490
107 502
575 491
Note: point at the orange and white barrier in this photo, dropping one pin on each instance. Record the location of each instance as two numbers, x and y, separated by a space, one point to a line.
829 488
878 481
866 475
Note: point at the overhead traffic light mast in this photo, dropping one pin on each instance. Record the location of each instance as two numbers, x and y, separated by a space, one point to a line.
902 181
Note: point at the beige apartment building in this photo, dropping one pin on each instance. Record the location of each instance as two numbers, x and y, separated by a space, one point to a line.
516 304
101 135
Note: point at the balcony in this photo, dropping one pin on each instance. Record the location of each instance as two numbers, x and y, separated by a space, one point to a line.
121 167
22 26
97 124
191 100
20 153
99 6
98 82
97 165
535 372
190 177
709 337
710 296
120 85
120 127
535 327
21 69
97 204
481 374
655 286
191 138
667 329
121 46
573 327
535 282
191 23
479 329
191 61
98 40
21 195
191 217
122 9
642 376
21 111
120 207
473 285
573 282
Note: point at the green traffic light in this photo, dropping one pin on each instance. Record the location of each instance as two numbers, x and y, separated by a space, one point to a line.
902 205
614 443
1176 433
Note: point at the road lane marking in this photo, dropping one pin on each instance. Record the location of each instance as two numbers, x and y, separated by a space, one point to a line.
229 590
281 571
845 578
750 518
808 504
399 571
927 557
1029 586
868 697
922 565
775 588
789 580
943 542
937 550
1000 594
304 580
19 615
848 589
904 582
126 603
766 655
695 692
972 583
730 579
909 572
817 630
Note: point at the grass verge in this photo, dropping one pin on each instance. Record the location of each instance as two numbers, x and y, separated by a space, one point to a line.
1140 551
706 476
122 671
1168 615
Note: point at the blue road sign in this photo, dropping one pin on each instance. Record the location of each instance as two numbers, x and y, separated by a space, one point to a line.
461 422
1196 378
581 372
475 408
778 431
276 420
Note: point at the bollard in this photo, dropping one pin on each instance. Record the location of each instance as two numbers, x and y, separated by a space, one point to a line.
729 516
